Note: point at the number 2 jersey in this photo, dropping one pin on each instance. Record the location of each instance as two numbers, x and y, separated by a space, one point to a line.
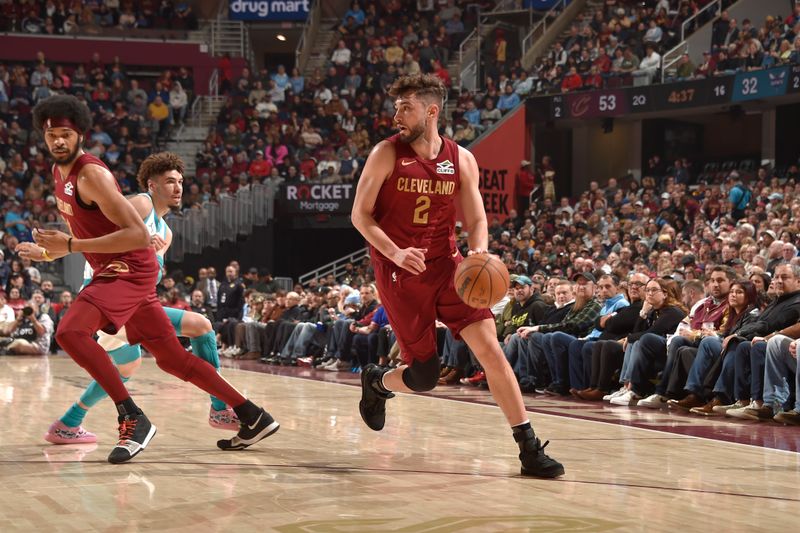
415 206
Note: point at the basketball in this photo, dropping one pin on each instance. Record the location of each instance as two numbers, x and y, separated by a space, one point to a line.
481 280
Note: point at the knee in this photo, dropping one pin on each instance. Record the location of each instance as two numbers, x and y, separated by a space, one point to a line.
172 358
422 376
67 336
203 325
128 369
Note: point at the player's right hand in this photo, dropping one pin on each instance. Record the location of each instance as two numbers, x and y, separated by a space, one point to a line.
411 259
31 251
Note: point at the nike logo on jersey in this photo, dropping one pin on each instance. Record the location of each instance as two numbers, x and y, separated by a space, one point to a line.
406 162
394 276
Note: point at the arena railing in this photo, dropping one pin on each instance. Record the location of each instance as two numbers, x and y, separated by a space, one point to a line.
335 267
302 52
671 57
234 215
540 27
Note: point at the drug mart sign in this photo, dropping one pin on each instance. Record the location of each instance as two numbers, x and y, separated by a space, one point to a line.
268 10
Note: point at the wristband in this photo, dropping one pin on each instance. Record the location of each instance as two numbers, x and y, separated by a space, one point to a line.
69 245
45 256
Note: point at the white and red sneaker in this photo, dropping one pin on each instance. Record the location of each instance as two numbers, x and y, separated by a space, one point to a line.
60 433
224 419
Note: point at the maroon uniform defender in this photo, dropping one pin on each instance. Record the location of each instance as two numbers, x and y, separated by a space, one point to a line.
405 208
106 228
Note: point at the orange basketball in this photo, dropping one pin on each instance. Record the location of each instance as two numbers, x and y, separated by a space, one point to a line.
481 280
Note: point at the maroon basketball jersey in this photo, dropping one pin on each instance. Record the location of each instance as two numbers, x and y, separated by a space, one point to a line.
88 222
416 204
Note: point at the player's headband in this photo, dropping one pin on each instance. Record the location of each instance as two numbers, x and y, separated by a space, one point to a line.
61 122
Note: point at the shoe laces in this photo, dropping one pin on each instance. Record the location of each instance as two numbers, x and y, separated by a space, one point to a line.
126 428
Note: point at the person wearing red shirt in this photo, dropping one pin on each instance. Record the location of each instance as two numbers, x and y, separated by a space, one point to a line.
572 81
525 183
603 62
260 167
593 79
443 74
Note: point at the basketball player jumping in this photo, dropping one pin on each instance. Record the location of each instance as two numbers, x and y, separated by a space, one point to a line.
161 175
106 228
405 208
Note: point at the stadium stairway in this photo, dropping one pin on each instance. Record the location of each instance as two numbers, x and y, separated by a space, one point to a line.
324 41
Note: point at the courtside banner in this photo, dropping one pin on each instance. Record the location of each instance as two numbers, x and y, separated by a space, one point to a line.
316 198
499 155
268 10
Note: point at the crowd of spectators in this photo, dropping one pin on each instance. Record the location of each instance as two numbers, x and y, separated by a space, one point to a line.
281 125
742 46
51 17
132 117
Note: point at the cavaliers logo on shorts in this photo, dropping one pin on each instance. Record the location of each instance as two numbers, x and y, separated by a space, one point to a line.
113 269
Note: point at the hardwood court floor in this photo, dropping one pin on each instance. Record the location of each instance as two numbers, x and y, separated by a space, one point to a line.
439 465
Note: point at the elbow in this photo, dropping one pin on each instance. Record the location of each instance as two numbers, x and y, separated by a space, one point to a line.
357 218
142 237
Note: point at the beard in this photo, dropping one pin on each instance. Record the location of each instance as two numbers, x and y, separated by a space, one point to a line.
414 133
66 158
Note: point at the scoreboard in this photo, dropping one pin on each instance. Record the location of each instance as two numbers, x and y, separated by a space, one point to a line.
665 97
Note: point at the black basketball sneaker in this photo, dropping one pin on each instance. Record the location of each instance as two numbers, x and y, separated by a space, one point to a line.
135 432
534 461
373 397
263 426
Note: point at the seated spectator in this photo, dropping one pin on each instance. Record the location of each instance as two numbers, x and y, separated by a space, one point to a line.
509 100
572 81
649 65
30 332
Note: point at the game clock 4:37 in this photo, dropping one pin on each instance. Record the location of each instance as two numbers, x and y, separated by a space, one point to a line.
664 97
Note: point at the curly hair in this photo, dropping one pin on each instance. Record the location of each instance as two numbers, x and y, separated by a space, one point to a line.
156 164
62 106
421 85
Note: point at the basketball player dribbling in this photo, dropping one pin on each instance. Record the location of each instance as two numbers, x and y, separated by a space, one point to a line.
107 229
405 208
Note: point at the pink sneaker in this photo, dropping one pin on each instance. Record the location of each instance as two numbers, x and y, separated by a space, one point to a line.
225 419
59 433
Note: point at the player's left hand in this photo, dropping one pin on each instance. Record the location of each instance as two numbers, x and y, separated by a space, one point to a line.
157 243
31 251
477 251
54 241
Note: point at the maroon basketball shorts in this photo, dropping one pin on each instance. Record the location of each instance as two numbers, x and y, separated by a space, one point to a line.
413 303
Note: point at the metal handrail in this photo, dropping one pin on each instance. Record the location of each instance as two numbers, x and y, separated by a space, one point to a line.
715 3
213 83
334 267
302 52
470 70
672 57
462 46
527 42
